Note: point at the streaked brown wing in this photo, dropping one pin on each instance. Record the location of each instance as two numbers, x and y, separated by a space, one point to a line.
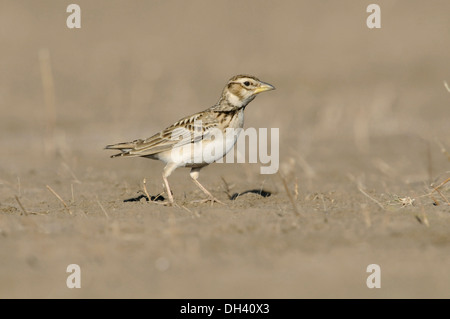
185 131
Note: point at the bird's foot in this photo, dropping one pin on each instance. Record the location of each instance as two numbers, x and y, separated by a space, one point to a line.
211 200
172 204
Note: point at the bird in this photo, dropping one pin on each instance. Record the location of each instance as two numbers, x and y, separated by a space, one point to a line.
183 143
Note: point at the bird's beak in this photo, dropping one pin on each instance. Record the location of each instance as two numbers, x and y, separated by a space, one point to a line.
264 87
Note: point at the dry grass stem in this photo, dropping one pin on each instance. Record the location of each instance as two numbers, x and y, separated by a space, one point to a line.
71 189
409 201
439 192
371 198
190 211
49 96
60 199
19 186
446 86
296 189
435 201
436 189
21 206
289 195
102 208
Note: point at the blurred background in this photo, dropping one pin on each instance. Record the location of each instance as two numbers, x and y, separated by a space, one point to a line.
352 103
136 66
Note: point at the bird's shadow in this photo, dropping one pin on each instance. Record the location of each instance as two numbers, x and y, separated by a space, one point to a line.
138 198
234 196
261 192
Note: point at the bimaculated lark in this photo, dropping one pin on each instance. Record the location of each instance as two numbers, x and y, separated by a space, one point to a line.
183 144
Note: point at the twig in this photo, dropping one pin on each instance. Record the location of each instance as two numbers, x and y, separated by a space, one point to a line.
59 197
289 194
373 199
20 204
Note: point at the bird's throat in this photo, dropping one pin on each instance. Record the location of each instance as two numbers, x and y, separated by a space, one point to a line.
231 102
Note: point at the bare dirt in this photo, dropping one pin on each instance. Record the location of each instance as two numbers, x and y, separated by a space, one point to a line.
364 121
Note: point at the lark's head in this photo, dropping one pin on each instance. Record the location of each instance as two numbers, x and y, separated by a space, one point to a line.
241 90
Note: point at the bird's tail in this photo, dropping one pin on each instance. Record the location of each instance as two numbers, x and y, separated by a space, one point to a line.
125 148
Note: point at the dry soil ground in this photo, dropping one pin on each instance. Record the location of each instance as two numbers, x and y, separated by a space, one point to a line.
364 121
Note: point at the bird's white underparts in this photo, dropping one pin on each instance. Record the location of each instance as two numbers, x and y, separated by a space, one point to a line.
214 145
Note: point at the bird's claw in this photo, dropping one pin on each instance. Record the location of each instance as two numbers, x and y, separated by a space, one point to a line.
211 200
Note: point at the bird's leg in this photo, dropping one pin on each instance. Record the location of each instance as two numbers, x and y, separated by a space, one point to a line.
194 174
168 169
169 192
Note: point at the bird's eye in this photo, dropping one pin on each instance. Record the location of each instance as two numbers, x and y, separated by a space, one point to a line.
246 83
